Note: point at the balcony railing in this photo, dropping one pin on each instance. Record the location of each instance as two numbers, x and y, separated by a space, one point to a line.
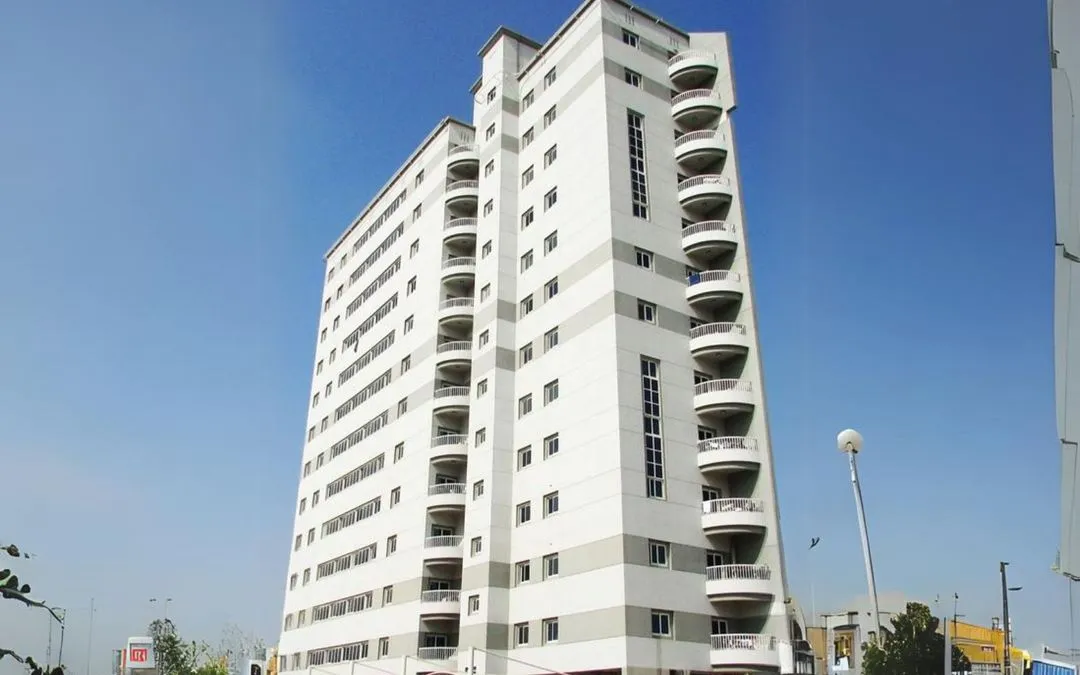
451 263
694 93
723 328
733 505
712 275
746 641
449 439
690 54
705 135
465 184
456 303
443 541
708 226
459 222
727 443
740 572
456 346
441 595
706 179
436 653
718 386
446 489
447 392
462 148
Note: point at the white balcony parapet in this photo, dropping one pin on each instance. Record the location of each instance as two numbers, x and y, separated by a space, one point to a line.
443 541
709 226
456 346
705 179
447 392
743 641
468 147
704 135
712 275
436 653
738 572
457 303
442 595
733 505
722 443
446 489
455 223
449 439
465 184
462 261
690 54
694 94
717 386
722 328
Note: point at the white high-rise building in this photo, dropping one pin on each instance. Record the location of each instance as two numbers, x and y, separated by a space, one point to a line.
537 434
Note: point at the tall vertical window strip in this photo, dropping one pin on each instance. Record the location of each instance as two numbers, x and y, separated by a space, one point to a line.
654 444
639 187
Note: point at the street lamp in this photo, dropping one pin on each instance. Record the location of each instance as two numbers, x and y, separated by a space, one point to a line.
165 605
850 443
1005 590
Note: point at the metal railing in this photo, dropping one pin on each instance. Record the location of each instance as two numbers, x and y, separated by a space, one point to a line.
441 595
436 653
708 226
449 439
446 489
705 135
455 303
712 275
462 261
695 93
717 386
463 185
733 505
443 541
728 443
462 148
705 179
447 392
722 328
456 346
459 222
743 641
738 572
690 54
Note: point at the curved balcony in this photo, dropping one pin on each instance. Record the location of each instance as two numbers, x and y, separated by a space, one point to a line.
723 397
699 149
444 497
738 515
445 548
451 400
449 449
457 230
728 454
455 355
719 340
692 68
458 270
464 159
713 287
743 653
697 108
456 311
702 194
463 194
709 238
739 583
440 604
436 653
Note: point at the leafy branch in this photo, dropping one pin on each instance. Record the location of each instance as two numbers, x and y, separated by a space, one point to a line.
12 589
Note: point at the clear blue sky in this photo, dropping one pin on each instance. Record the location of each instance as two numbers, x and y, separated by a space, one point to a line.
171 174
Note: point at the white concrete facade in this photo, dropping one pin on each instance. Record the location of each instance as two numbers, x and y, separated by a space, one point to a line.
537 437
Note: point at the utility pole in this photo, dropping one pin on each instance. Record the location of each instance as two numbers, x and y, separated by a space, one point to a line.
63 626
48 649
90 638
1007 663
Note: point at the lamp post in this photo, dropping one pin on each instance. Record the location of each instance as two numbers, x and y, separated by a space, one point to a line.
165 606
1005 590
850 443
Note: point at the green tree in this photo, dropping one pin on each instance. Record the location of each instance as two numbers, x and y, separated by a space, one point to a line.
912 647
172 655
12 589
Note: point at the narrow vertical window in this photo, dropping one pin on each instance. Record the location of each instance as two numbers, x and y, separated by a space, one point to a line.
639 188
650 410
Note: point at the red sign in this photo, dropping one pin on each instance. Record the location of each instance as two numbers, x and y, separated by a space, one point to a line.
139 654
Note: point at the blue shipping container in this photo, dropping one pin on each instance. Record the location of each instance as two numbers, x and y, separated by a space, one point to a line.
1047 668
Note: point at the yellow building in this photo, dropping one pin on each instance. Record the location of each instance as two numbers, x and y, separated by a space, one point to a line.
985 647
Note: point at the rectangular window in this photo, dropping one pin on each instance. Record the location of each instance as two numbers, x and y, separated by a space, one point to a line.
549 79
485 250
476 545
527 100
387 595
524 513
549 116
551 242
550 155
527 176
474 604
659 554
643 258
525 354
551 445
399 451
551 630
632 78
551 565
489 168
303 504
402 407
483 339
408 325
551 391
524 405
527 137
630 39
410 286
646 311
481 388
391 544
639 187
478 489
416 212
480 437
651 415
526 260
661 624
485 292
419 178
551 504
406 363
524 457
551 339
384 646
551 198
395 497
491 95
489 206
521 634
551 288
523 572
298 543
414 248
490 132
525 307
